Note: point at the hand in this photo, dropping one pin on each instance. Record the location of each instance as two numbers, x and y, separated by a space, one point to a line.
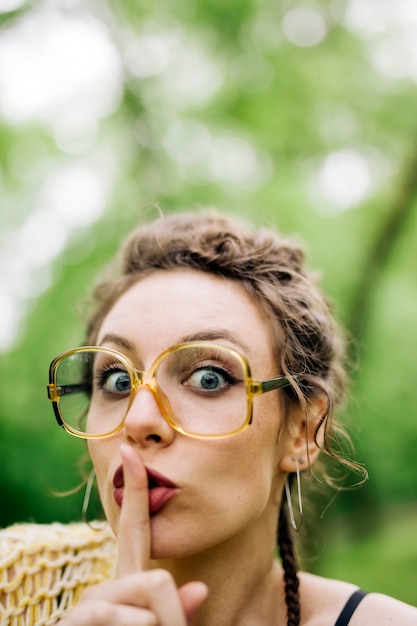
139 596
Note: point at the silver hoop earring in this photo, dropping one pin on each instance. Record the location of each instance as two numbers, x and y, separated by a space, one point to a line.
86 501
299 498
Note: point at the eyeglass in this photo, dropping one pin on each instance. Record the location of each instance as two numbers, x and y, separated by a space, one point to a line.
203 390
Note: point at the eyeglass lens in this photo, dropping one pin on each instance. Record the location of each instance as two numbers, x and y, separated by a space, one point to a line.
201 388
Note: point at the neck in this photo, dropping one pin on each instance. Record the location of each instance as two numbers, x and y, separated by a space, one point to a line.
244 580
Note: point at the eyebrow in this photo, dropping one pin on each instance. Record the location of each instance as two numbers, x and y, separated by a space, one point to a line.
203 335
118 340
214 335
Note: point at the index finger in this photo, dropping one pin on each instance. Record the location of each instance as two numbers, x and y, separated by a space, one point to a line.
134 533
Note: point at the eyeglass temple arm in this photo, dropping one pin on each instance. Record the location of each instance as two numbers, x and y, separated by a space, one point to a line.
263 386
274 383
56 391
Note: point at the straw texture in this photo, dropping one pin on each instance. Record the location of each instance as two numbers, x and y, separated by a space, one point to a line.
44 568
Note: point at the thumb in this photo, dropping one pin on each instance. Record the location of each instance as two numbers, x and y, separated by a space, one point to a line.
192 596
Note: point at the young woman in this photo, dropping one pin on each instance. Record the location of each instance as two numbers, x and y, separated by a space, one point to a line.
208 382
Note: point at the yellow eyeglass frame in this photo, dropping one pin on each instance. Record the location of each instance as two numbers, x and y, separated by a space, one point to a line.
148 379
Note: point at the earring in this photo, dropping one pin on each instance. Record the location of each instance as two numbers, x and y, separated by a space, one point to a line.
288 496
86 501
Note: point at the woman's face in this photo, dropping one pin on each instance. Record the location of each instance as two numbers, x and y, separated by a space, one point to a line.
227 487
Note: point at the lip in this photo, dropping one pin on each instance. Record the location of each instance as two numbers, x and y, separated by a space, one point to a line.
160 489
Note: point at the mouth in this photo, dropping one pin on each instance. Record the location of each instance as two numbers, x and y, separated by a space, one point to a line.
160 489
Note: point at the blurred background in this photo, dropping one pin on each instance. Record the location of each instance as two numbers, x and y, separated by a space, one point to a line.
295 113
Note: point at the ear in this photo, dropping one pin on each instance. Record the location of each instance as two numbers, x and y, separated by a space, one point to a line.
302 441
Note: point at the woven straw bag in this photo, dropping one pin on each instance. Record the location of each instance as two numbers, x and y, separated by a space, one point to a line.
44 568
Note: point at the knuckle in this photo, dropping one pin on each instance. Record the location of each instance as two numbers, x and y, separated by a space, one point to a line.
90 594
151 620
101 614
161 579
97 591
91 613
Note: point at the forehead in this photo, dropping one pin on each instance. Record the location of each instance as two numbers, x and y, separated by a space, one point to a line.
172 306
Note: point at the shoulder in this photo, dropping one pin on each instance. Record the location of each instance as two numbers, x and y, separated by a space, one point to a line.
323 599
382 610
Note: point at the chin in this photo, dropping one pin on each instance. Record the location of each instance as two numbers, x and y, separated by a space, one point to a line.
161 552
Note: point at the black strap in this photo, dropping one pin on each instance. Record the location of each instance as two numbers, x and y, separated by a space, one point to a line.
350 608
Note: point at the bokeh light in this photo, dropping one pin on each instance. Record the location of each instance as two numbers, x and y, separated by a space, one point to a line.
70 198
52 64
304 27
388 28
343 180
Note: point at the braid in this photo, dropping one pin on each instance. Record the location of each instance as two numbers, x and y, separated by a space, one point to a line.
290 565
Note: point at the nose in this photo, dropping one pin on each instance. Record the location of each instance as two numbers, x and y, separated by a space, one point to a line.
144 423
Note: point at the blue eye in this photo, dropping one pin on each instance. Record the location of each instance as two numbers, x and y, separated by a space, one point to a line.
207 379
114 381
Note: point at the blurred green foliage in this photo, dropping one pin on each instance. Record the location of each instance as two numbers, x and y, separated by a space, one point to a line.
247 112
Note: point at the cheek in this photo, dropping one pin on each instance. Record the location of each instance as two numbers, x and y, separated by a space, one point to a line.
103 455
245 468
266 446
96 450
251 458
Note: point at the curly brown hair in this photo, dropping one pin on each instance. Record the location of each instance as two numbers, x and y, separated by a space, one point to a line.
309 344
310 347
